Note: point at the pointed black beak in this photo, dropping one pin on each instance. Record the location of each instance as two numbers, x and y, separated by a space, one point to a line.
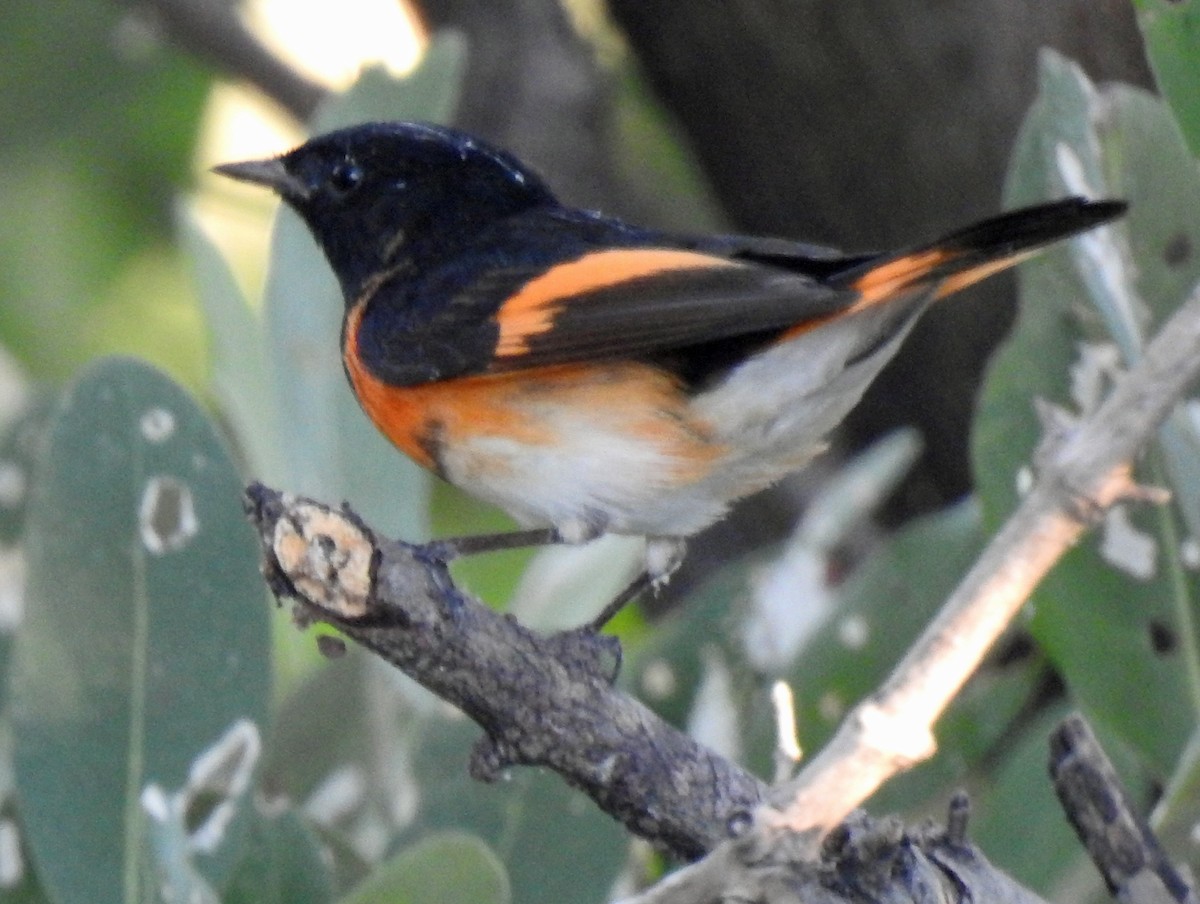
272 173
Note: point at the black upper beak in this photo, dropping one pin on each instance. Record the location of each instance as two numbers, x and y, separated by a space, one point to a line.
272 173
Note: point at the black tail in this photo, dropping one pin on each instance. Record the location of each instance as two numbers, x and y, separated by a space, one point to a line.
976 252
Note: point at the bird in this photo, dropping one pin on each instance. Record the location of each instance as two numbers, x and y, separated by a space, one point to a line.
590 376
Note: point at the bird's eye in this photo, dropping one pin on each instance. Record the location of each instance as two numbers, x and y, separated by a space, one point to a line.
345 176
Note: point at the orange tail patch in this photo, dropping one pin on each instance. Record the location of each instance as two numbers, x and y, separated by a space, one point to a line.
889 279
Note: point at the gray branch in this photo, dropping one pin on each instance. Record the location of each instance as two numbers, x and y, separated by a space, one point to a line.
1120 842
865 861
541 700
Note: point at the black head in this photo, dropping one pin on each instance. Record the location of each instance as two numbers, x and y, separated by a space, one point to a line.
379 195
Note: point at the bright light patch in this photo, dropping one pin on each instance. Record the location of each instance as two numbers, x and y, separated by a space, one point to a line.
330 42
239 125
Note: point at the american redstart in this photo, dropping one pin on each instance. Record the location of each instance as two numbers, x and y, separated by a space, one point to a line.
589 376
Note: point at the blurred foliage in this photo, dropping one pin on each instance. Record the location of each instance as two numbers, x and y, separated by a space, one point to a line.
1172 32
142 664
441 869
95 206
1127 589
1118 616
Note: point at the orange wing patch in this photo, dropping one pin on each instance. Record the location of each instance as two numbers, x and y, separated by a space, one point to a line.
531 311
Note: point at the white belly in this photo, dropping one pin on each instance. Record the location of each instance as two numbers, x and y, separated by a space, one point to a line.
659 464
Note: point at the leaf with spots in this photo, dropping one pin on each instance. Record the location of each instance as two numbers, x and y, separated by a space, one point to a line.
1117 615
145 636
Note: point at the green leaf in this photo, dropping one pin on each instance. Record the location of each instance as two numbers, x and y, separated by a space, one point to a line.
882 609
145 636
301 751
1078 305
168 872
237 353
27 891
20 448
1017 818
577 850
283 864
1176 815
446 868
91 206
425 776
665 668
24 887
1172 32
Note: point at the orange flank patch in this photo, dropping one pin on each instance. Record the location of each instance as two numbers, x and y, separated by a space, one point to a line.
532 310
554 406
412 417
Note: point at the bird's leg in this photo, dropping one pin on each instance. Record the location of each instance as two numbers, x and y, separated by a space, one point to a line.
584 645
601 653
572 532
664 555
632 591
456 547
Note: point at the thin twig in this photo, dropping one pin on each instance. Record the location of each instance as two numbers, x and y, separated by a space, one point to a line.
1084 473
